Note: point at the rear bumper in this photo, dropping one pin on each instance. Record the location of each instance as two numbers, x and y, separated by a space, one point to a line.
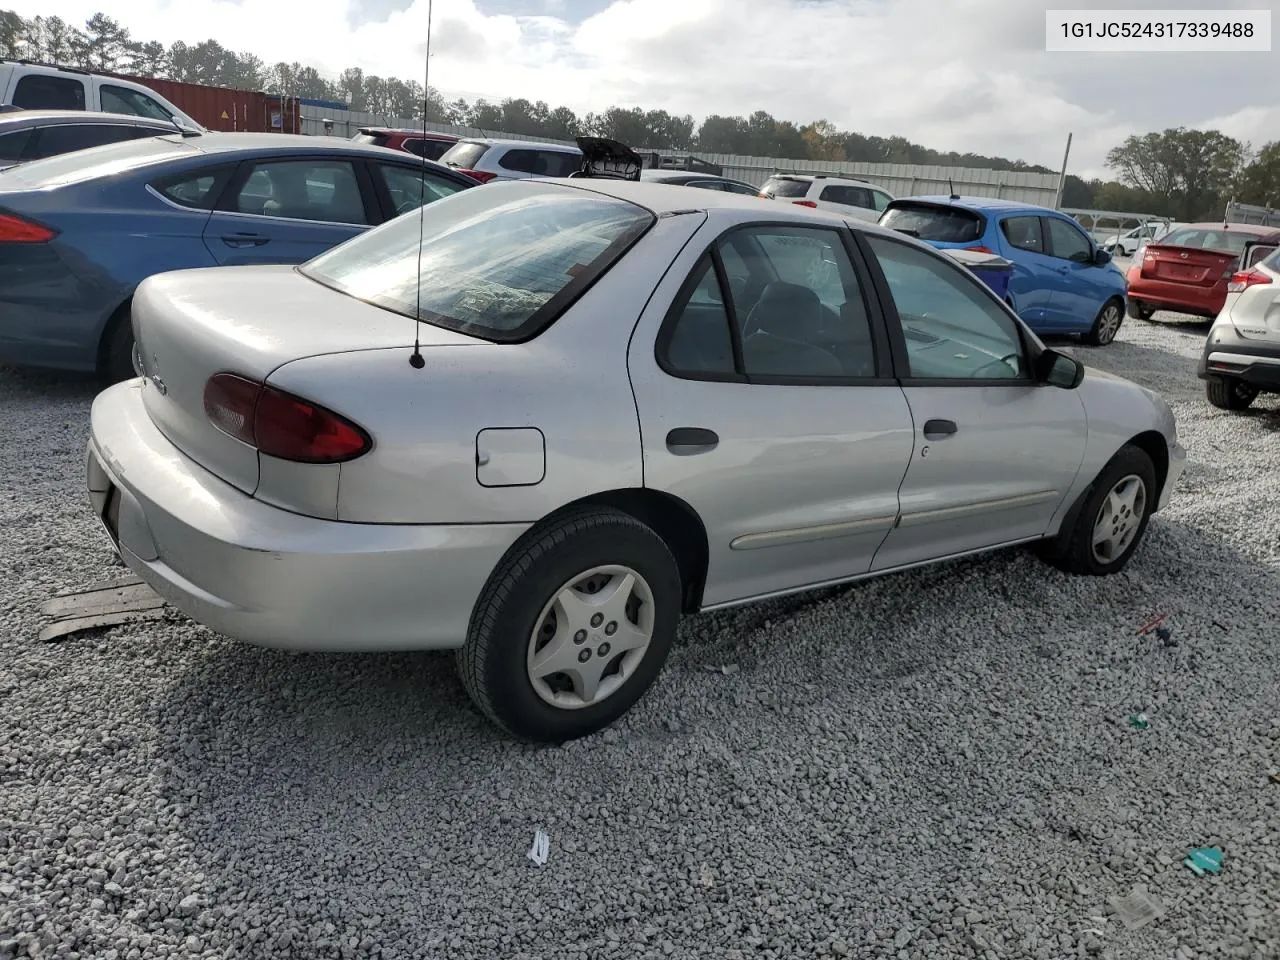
1178 297
267 576
1227 354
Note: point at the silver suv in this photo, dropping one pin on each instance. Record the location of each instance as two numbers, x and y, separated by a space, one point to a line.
488 160
843 195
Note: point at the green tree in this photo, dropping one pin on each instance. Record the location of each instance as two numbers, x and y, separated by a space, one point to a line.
104 44
1191 172
1260 182
13 32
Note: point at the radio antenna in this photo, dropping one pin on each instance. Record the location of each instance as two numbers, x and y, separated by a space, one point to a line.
415 359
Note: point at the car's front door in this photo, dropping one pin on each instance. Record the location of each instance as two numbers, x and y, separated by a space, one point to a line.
1077 282
761 375
995 452
288 211
1030 286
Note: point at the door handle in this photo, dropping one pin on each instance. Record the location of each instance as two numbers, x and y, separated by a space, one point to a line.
244 239
683 441
939 429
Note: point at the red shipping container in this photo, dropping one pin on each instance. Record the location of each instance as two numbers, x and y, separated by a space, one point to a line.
222 108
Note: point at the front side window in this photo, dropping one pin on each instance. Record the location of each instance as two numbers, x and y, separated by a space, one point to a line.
1024 233
797 303
410 188
320 190
124 100
1068 242
39 92
953 329
500 262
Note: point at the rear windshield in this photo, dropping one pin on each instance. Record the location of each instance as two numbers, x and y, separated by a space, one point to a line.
1201 239
784 187
83 165
940 224
499 263
465 155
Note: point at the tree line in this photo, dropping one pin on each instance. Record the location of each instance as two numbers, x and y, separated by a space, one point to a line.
1181 173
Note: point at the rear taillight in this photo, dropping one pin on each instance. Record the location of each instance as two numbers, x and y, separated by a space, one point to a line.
805 203
1249 278
483 176
14 229
280 424
980 249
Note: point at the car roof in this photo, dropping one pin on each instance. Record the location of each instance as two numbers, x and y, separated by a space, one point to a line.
526 144
978 204
33 117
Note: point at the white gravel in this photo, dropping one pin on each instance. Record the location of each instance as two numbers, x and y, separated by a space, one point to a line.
932 765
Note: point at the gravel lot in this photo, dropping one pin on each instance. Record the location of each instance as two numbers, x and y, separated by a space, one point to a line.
932 765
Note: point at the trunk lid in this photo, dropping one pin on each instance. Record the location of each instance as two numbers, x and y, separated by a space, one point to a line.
191 324
1189 265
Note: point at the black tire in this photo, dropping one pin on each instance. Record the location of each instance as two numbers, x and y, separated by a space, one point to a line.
1105 325
493 662
1139 310
1229 393
117 349
1072 549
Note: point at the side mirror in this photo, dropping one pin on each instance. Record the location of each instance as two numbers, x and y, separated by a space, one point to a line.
1059 370
1101 257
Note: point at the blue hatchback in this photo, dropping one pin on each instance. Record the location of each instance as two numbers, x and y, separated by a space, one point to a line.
80 231
1062 283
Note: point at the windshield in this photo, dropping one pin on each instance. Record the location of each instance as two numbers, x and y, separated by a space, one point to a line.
940 224
784 187
499 263
1202 239
463 154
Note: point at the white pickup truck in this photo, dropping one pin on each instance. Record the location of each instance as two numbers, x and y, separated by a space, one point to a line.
38 86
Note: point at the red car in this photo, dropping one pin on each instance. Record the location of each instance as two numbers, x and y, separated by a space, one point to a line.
1188 270
430 146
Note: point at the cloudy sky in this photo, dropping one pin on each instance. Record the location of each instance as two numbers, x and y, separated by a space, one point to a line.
950 74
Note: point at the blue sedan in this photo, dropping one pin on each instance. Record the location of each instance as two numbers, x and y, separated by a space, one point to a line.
1062 283
79 232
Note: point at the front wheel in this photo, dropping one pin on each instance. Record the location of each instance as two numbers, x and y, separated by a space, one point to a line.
573 626
1112 520
1229 393
1105 325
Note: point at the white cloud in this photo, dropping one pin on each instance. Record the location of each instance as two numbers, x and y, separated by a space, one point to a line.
966 75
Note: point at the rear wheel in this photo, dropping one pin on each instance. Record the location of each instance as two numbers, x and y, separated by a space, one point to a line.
1105 325
1139 310
1229 393
573 626
116 363
1112 520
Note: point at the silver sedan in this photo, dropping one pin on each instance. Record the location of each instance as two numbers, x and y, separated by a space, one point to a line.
546 420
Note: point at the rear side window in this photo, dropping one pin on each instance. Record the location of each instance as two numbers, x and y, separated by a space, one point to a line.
541 163
464 154
941 224
1024 233
881 200
123 100
54 141
198 190
12 144
849 196
38 92
784 187
500 262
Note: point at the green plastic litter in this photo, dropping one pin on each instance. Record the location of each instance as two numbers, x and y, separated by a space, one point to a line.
1205 860
1139 721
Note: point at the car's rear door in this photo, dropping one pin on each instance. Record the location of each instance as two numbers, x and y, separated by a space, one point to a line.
289 210
1022 241
760 371
995 451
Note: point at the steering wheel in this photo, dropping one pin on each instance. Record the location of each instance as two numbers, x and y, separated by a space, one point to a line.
1003 365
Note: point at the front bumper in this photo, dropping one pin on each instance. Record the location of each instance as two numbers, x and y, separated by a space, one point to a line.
1227 354
266 576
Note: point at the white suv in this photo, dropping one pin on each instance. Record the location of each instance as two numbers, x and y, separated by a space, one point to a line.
857 198
488 160
39 86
